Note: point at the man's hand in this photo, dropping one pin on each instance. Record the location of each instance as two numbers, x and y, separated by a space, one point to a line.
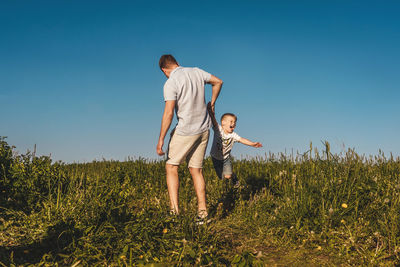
160 144
257 144
165 123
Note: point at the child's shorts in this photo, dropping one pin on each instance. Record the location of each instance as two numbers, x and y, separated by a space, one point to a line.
222 167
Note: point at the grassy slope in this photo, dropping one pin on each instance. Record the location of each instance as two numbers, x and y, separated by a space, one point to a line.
312 211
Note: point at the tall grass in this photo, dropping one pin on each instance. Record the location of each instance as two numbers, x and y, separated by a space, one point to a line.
337 208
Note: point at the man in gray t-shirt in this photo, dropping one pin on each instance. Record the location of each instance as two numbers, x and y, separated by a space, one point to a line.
186 86
184 93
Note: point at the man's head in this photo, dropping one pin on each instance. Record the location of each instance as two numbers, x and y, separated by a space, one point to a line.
167 64
228 122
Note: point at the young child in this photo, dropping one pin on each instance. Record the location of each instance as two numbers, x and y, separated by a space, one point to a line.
224 138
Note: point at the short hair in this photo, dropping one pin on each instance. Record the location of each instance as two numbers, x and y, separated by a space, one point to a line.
166 61
228 115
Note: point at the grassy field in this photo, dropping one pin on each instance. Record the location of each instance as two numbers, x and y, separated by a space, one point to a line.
313 209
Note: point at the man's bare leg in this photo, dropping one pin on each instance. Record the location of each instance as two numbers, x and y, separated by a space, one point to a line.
199 187
173 186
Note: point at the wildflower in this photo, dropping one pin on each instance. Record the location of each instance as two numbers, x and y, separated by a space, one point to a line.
319 248
312 232
344 205
343 221
141 257
330 211
165 231
386 200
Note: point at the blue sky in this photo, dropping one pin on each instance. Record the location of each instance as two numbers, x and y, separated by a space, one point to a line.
80 79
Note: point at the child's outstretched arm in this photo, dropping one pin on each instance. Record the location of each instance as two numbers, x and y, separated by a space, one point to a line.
212 114
249 143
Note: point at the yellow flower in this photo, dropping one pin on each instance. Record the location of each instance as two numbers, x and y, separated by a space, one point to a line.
343 221
344 205
165 231
141 257
319 248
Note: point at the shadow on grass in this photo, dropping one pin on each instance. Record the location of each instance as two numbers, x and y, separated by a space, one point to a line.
226 203
56 240
253 185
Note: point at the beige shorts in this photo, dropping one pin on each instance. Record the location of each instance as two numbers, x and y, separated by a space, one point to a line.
191 148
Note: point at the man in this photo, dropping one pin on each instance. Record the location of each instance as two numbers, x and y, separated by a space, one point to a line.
184 93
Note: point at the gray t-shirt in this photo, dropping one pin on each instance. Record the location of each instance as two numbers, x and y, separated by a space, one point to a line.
223 143
186 87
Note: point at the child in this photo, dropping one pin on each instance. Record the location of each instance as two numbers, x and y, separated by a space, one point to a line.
224 137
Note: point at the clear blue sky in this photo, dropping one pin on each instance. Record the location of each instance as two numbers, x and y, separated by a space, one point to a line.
80 78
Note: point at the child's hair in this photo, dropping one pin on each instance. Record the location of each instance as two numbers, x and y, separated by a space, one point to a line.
227 115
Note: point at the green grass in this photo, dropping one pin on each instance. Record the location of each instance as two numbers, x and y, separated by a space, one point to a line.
314 209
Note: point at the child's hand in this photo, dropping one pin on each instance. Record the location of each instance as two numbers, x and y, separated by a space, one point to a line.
257 144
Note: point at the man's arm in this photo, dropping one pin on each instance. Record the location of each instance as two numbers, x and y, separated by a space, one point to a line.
216 88
165 124
212 114
249 143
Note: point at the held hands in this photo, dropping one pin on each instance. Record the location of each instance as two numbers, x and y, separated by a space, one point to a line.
210 108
